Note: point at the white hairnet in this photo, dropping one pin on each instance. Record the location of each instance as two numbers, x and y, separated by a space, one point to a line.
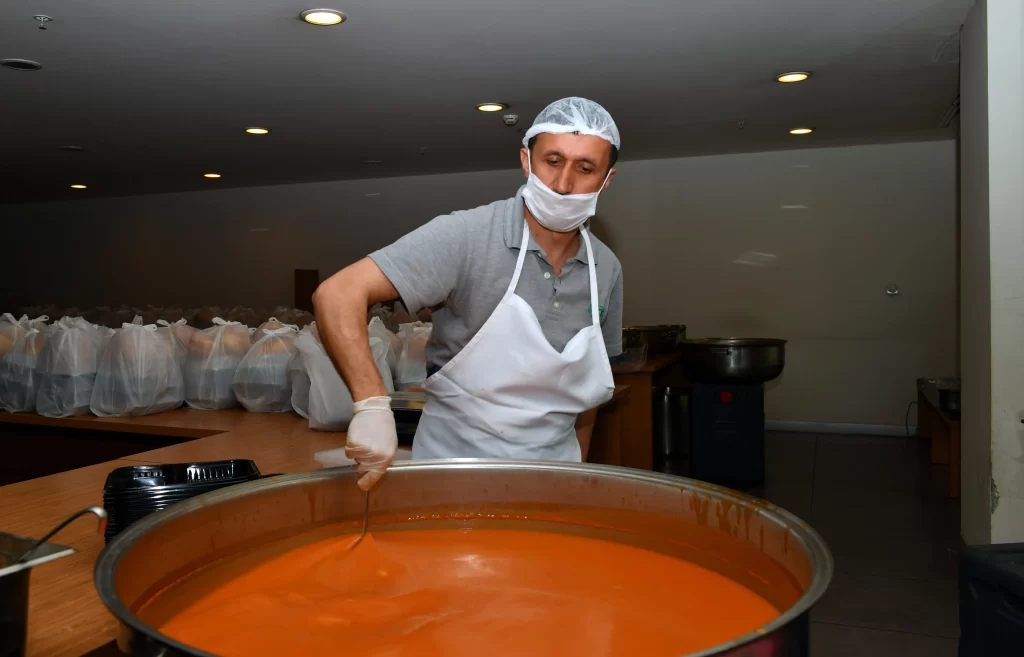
574 115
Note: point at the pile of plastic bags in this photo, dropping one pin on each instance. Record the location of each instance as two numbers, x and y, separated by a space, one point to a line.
139 373
261 380
213 356
411 368
156 359
18 378
67 366
319 394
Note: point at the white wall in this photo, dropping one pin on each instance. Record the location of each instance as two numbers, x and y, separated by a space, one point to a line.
992 272
1006 227
703 241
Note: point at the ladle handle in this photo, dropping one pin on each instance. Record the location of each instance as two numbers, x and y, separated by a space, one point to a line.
100 513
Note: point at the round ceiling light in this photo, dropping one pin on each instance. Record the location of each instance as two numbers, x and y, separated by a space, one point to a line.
257 131
20 64
794 76
211 175
78 187
491 107
801 131
323 17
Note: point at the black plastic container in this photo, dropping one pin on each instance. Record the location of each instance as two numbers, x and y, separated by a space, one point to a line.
134 492
992 600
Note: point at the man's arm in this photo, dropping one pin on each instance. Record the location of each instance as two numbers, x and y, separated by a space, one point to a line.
340 304
585 430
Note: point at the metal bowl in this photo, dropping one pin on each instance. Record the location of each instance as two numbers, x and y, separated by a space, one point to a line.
733 360
680 517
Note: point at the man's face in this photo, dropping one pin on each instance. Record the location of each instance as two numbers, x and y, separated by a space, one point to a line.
568 163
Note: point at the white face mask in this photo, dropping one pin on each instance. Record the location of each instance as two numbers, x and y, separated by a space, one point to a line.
561 213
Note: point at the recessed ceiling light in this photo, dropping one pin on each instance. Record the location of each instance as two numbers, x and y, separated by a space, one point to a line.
491 107
257 131
794 76
322 16
801 131
78 187
373 161
20 64
211 175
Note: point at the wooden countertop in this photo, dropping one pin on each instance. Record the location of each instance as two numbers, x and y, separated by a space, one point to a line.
66 617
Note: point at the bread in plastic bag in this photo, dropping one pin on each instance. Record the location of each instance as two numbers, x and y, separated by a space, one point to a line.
271 324
213 357
139 374
180 334
11 329
18 378
261 381
67 366
376 329
327 402
411 369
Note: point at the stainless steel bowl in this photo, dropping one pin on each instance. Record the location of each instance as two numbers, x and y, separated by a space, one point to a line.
669 515
733 360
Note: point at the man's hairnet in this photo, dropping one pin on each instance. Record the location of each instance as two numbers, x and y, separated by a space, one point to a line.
574 115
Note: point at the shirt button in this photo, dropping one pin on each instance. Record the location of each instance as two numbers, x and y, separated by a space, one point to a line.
556 304
547 274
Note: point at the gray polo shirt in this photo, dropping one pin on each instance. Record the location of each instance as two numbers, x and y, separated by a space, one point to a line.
461 264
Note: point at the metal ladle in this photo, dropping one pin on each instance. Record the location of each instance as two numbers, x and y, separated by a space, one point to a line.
99 512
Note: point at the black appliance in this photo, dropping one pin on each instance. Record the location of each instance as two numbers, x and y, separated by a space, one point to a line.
727 434
992 600
724 413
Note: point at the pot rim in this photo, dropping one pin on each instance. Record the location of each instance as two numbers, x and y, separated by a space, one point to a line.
734 342
820 555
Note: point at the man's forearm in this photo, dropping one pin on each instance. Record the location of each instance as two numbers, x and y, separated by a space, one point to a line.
340 305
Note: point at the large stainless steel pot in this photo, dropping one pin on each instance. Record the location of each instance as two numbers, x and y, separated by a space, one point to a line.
733 360
670 515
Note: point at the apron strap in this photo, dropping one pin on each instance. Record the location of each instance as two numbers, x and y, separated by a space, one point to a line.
522 258
594 313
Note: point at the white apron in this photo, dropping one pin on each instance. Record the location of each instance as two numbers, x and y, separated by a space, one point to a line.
509 393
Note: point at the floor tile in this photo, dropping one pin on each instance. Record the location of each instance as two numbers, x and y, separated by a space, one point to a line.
886 556
789 459
911 515
886 603
880 463
829 640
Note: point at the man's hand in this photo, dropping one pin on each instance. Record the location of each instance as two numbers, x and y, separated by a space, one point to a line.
372 439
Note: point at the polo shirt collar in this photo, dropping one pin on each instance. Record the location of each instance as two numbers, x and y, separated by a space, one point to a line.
515 224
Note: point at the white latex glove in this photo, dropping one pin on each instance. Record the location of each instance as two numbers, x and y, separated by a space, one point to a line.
372 439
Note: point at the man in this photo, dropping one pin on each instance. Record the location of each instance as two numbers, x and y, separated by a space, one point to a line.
528 309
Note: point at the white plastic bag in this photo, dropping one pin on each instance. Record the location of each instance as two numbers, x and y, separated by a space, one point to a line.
393 345
411 369
179 334
271 324
213 357
327 402
261 380
138 374
67 365
18 378
11 330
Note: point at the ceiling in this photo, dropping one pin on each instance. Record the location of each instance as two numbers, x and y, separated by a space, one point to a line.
159 93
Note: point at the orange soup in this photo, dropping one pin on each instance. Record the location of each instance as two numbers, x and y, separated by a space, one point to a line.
456 593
